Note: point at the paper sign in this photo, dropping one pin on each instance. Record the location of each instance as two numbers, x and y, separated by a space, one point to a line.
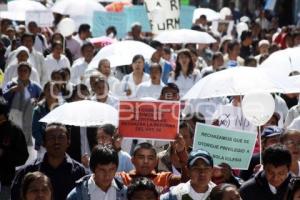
270 4
222 26
157 120
43 18
186 16
185 2
225 145
102 20
232 117
163 15
137 14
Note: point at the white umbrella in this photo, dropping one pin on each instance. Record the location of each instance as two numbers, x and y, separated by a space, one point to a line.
238 81
83 113
295 125
282 62
121 53
184 36
210 14
77 7
16 10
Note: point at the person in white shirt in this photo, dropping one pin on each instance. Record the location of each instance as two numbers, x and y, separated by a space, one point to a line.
105 69
40 42
56 60
153 87
101 184
81 64
184 75
83 33
200 165
22 54
101 90
131 81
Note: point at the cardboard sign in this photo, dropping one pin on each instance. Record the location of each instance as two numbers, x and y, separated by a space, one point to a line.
157 120
163 15
225 145
42 18
137 14
102 20
186 16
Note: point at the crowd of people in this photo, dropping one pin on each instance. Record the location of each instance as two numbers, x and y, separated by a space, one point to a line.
40 69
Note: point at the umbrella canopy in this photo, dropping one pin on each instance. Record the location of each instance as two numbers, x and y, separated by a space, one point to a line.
184 36
77 8
282 62
238 81
210 14
121 53
83 113
16 10
102 41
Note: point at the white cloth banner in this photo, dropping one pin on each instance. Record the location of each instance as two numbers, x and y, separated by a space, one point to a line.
163 14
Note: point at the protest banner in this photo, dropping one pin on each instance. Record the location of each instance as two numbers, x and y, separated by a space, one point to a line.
232 117
225 145
157 120
163 15
43 18
270 4
136 14
186 16
102 20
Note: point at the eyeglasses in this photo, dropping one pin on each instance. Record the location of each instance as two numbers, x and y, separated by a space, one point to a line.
54 137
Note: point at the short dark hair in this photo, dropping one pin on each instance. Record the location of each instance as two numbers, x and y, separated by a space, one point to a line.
156 44
184 124
136 57
173 86
144 145
245 35
27 34
217 192
59 126
111 29
103 155
232 44
109 129
217 55
83 28
85 45
277 155
141 184
155 65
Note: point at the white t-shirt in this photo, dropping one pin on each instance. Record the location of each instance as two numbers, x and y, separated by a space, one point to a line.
147 89
96 193
52 64
185 83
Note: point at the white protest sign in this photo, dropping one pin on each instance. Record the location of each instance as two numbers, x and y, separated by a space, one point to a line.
222 26
163 14
232 117
43 18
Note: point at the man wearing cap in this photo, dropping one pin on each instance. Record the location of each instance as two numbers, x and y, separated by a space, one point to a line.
200 165
269 136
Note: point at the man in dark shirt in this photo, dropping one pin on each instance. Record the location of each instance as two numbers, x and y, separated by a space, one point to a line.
56 164
13 150
246 42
